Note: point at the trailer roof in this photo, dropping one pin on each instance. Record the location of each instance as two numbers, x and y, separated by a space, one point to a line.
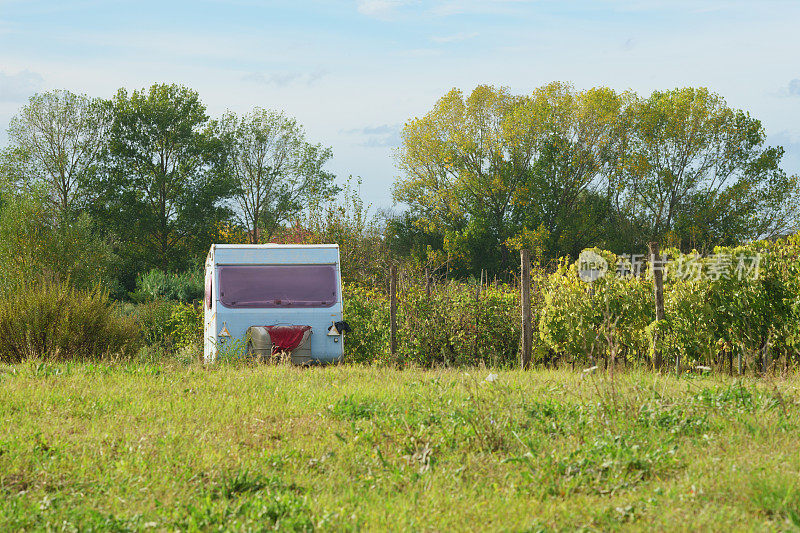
271 245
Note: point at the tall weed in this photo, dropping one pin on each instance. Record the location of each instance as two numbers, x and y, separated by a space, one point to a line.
49 319
159 285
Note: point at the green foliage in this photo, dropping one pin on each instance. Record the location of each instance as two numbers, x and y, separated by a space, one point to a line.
159 285
347 222
489 167
454 328
585 321
740 301
755 316
48 319
57 140
589 168
367 312
166 178
448 328
36 240
154 322
186 322
276 170
698 168
168 326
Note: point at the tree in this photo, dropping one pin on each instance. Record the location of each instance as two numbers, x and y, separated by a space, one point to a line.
275 168
38 241
57 140
457 169
166 182
346 221
573 134
494 166
695 169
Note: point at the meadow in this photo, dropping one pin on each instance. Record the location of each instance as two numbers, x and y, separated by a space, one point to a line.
237 447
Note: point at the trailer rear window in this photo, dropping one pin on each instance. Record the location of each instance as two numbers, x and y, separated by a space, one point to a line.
259 286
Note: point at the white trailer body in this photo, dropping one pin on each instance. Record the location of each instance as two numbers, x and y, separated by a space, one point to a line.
270 285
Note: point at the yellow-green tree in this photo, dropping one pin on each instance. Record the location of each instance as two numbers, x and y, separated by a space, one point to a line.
696 169
487 168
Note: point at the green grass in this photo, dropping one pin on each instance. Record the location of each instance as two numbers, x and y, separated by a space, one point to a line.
87 447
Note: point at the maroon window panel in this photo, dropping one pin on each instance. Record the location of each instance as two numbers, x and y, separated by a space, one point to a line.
268 286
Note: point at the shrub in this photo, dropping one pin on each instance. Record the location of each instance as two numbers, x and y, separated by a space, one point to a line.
186 324
454 328
367 313
582 320
159 285
36 241
757 317
708 317
449 328
154 322
51 320
167 326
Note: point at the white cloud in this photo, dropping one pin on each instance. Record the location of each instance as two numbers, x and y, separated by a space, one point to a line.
381 136
284 79
629 44
794 87
454 38
460 7
17 87
389 9
382 9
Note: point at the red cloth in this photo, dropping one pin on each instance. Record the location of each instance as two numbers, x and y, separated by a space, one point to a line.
286 338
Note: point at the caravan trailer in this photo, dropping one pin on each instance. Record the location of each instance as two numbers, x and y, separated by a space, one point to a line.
261 299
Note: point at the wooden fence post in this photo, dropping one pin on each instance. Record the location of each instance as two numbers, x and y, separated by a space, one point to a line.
658 287
525 297
427 282
393 312
477 316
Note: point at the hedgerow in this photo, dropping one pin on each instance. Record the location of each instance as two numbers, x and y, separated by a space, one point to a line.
717 318
710 319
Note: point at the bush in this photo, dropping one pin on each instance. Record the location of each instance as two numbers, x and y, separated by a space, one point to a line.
449 328
582 321
186 324
367 313
453 328
167 326
159 285
757 317
154 322
51 320
709 318
36 241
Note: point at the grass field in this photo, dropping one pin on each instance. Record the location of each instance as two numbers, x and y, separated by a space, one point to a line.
134 446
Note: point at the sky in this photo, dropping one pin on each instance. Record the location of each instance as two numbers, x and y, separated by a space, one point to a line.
353 72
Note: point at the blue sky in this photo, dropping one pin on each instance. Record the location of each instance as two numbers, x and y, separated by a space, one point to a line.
353 72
